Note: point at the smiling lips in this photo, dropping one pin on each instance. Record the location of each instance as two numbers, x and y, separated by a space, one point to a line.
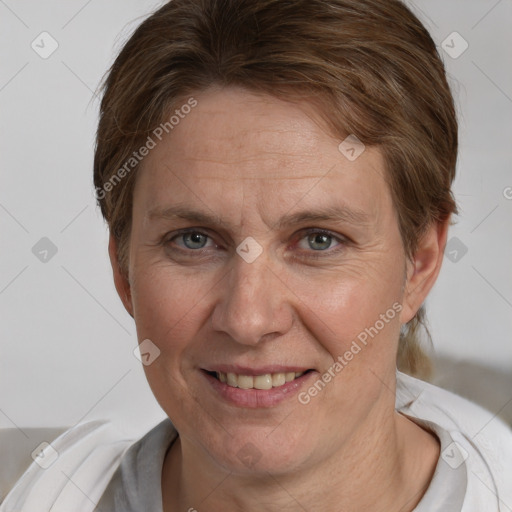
265 381
251 387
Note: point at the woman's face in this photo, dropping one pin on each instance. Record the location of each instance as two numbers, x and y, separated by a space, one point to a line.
259 247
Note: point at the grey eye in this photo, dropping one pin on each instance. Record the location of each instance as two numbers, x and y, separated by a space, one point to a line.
194 240
319 241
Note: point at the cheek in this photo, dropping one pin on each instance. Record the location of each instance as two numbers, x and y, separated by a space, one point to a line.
167 307
356 317
169 310
347 302
359 330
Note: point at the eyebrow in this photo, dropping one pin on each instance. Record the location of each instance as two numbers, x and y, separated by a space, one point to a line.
185 213
343 214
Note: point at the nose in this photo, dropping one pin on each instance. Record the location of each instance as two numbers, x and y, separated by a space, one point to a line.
254 303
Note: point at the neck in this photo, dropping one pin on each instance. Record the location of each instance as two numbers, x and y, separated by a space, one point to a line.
385 463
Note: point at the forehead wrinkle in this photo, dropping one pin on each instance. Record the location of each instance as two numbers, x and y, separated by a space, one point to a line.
260 156
299 140
255 178
253 174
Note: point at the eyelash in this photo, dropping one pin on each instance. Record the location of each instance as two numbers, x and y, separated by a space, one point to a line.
342 241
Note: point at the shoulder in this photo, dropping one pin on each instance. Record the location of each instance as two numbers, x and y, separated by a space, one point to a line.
16 448
449 409
483 440
70 472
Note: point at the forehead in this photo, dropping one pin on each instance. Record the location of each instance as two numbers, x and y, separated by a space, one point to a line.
235 145
237 124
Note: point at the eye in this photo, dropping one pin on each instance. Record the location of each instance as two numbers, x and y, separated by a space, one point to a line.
190 240
194 240
319 241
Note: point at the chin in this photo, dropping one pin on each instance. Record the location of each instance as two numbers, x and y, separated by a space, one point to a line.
255 453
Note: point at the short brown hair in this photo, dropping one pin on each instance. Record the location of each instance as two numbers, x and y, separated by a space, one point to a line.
370 66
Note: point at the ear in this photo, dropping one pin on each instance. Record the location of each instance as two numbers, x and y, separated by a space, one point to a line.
121 282
423 270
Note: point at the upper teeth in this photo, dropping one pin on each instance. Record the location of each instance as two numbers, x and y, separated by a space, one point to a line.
266 381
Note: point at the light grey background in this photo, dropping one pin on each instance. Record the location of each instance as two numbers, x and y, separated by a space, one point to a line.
66 350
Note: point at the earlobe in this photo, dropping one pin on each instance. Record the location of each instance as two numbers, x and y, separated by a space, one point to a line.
120 280
423 270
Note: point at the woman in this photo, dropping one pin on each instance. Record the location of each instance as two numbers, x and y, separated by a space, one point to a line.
276 179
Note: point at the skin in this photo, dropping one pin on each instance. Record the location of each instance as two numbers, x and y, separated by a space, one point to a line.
251 159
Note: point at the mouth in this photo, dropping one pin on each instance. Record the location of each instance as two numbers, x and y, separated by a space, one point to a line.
264 381
251 387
